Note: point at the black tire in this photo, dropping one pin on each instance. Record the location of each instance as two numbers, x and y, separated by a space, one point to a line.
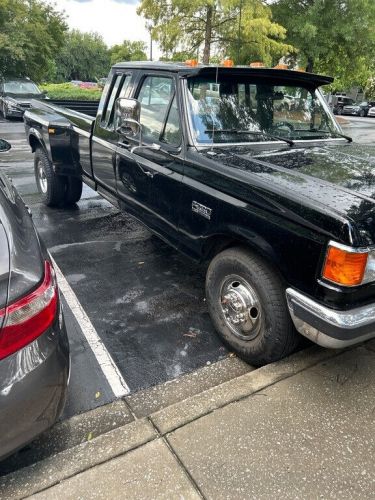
362 113
339 111
51 187
73 191
274 336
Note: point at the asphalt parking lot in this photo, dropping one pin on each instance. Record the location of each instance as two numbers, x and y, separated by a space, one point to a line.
142 299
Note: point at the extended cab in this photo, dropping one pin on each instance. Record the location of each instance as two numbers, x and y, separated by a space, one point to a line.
244 168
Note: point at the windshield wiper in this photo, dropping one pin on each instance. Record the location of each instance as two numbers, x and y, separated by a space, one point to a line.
252 132
333 134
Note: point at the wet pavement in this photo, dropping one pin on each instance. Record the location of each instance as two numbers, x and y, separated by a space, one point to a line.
144 299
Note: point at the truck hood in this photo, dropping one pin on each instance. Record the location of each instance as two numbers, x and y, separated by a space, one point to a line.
331 178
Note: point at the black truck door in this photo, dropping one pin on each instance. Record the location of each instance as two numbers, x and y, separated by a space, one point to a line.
105 138
149 178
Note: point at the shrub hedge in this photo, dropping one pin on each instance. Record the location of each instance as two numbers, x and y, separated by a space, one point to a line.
70 92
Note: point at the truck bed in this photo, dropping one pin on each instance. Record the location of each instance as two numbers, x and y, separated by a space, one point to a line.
63 133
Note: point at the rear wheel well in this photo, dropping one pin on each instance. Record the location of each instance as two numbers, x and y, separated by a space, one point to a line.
34 143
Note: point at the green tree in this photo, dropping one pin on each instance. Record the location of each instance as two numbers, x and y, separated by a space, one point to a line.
242 28
31 32
84 56
128 51
333 36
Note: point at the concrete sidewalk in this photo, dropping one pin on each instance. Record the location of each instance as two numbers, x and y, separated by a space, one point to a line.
300 428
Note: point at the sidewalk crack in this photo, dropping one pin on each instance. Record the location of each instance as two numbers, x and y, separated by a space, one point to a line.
178 460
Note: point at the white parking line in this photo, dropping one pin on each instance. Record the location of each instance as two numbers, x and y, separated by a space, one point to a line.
105 361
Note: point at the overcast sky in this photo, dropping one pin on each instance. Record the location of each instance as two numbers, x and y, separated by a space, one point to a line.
115 20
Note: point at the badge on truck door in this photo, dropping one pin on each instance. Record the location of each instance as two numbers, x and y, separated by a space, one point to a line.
202 210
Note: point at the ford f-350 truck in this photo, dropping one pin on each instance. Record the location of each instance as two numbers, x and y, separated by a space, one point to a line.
243 168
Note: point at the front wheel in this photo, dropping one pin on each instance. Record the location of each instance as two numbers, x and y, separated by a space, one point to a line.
247 304
362 113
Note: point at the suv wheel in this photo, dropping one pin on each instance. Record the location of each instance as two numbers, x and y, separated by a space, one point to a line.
362 113
247 304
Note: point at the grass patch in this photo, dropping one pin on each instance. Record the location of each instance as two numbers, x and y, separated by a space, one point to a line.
70 92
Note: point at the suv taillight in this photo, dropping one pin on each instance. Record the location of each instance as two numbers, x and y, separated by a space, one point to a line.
27 318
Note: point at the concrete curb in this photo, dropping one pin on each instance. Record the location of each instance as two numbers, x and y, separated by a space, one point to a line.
68 463
190 409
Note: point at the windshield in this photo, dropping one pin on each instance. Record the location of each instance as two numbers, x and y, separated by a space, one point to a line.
20 87
239 110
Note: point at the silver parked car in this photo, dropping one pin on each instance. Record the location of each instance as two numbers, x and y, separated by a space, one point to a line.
34 350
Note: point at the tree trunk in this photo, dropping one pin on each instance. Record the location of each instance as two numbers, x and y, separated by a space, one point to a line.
310 65
208 35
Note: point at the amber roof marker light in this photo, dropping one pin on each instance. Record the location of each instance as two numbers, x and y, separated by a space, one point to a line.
191 62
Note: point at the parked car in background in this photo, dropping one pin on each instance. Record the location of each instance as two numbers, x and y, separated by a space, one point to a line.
371 111
358 109
338 103
16 95
88 85
34 350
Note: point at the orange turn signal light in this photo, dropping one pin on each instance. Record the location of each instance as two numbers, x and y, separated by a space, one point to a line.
344 267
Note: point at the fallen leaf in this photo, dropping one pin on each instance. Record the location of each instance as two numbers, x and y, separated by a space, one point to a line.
89 436
190 334
97 395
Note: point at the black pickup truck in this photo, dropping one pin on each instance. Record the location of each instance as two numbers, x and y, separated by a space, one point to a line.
243 168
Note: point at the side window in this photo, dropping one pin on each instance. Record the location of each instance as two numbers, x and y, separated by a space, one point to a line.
172 131
118 89
154 96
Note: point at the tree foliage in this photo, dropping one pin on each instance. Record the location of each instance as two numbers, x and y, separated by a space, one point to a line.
333 36
241 28
370 88
128 51
84 56
30 34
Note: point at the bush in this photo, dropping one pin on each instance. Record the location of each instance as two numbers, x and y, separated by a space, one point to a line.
70 92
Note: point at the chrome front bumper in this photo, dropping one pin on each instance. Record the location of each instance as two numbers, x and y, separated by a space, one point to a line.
327 327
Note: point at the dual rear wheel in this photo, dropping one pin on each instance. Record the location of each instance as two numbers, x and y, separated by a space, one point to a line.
55 189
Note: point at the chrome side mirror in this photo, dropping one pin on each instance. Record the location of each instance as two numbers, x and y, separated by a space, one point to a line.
127 116
4 145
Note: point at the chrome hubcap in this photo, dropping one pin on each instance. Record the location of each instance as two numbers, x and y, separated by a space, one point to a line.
241 307
42 177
